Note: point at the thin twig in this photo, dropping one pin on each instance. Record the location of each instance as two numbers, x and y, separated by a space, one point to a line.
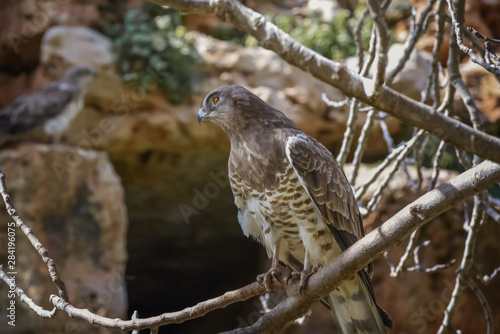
419 154
334 104
435 164
24 298
362 141
454 72
493 213
410 43
382 45
406 254
484 304
363 70
135 315
434 80
51 265
481 36
386 134
463 158
359 38
373 203
349 133
486 279
458 31
380 168
419 267
478 215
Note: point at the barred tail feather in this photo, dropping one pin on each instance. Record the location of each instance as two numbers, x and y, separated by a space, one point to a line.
355 310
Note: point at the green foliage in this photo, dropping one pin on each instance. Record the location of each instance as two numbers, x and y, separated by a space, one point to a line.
152 40
332 39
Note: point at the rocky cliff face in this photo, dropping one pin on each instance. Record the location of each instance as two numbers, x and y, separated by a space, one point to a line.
80 217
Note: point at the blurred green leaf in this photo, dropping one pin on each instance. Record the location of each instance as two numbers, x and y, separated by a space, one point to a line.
153 39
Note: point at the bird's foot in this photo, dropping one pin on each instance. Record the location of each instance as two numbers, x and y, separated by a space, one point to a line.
266 279
303 276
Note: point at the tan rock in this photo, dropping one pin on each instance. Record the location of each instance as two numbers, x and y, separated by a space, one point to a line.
412 79
484 89
74 203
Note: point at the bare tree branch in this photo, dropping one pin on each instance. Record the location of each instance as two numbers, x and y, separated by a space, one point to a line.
403 108
178 317
458 31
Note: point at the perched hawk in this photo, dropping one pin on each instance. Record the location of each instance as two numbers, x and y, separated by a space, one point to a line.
294 198
53 106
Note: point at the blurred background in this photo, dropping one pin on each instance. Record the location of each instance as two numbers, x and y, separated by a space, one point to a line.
134 203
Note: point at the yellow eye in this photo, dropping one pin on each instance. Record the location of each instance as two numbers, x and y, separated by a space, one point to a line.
216 100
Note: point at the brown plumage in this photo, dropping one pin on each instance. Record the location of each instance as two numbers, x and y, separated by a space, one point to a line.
294 198
53 106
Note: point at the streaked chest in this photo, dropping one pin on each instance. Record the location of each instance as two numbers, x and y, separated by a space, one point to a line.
275 212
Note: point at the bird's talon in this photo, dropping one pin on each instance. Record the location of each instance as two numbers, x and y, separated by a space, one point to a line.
267 278
303 276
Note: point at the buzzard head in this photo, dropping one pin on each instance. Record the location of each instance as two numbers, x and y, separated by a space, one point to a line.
233 108
80 75
237 111
218 105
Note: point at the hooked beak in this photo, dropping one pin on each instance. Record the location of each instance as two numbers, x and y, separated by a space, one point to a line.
201 115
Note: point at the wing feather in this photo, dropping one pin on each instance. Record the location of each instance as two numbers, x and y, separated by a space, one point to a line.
30 110
327 186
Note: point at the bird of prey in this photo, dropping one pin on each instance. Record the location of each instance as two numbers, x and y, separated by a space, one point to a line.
52 107
294 198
